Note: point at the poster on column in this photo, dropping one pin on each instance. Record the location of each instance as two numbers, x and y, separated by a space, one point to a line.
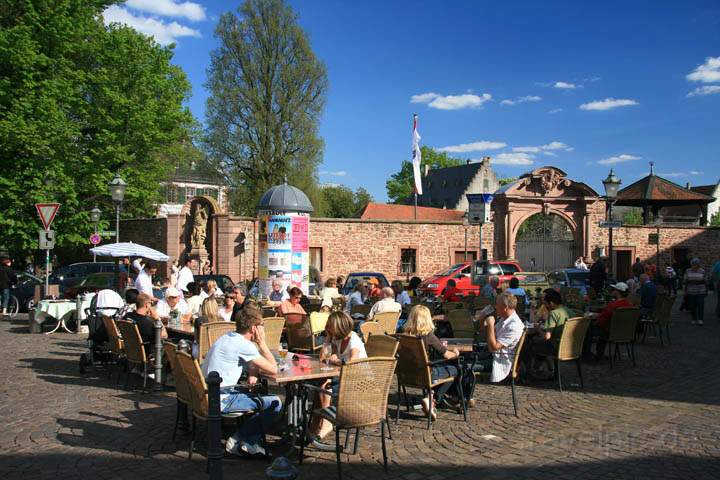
279 251
300 233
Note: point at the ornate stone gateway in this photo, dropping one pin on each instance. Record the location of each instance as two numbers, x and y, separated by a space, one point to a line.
546 216
198 232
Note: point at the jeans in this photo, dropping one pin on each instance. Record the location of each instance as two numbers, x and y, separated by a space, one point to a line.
443 371
697 306
5 298
251 430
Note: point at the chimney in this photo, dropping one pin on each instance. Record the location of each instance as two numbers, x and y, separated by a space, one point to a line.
687 185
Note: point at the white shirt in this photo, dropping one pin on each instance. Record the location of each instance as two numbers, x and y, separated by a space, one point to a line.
328 293
137 266
384 305
163 309
194 303
185 276
111 300
354 343
226 313
143 283
403 298
507 333
579 264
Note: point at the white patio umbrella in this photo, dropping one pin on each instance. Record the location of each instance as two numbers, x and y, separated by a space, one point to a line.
129 249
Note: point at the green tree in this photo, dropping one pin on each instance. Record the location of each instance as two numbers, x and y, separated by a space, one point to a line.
506 180
341 202
80 101
632 216
267 94
400 185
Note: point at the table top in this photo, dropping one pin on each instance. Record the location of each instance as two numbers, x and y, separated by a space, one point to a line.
461 344
296 372
185 329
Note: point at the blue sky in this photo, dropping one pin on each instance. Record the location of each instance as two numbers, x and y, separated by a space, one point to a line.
583 86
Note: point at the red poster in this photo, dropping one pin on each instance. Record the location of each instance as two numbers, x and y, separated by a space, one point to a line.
300 234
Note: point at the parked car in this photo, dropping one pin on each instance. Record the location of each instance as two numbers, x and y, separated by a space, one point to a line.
434 285
484 269
96 282
352 279
24 289
570 277
223 281
533 283
72 275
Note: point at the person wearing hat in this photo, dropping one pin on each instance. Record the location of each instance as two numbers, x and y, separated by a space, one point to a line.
375 290
173 305
600 327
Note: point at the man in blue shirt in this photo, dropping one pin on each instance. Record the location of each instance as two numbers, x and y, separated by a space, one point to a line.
648 295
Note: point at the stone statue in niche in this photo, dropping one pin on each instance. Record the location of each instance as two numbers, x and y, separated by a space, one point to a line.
199 229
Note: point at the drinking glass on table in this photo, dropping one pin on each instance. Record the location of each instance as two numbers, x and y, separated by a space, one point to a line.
326 353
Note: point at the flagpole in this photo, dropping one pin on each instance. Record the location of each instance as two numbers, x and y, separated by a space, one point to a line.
415 187
415 205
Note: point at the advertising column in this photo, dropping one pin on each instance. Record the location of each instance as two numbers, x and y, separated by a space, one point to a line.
283 250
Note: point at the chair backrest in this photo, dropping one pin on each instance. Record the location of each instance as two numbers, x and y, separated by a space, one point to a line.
363 394
449 306
116 343
273 331
294 318
461 323
182 391
518 351
318 320
268 312
313 307
412 368
572 338
663 309
338 303
634 299
134 348
360 309
623 324
195 383
371 329
381 346
300 335
388 321
209 333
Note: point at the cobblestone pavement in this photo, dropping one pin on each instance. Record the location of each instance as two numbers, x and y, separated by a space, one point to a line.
658 420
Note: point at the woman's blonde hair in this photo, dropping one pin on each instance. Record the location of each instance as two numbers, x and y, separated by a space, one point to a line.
419 321
209 310
340 324
211 284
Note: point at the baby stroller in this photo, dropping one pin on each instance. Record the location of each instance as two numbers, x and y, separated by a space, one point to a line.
98 350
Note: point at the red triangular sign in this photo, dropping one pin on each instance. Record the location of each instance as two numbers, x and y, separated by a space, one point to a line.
47 212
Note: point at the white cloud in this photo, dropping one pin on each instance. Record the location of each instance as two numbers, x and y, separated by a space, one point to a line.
527 98
695 172
337 173
608 104
526 149
555 110
457 102
618 159
424 97
513 159
164 33
705 90
556 146
550 154
546 149
565 85
169 8
708 72
479 146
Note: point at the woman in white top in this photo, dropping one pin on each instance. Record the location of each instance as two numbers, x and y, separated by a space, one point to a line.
226 310
329 293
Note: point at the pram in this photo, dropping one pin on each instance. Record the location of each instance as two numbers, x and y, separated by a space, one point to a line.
98 349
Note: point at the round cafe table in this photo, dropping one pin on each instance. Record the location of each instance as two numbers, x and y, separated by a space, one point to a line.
59 311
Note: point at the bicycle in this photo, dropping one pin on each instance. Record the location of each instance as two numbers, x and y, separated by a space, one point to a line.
13 306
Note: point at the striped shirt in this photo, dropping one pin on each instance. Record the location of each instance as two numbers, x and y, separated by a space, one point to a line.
695 282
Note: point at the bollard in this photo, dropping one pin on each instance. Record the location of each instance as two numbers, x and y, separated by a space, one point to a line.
158 356
281 468
214 427
78 312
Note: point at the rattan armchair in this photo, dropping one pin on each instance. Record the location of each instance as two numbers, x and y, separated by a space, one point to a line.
318 320
660 318
362 401
182 391
571 346
134 349
115 343
300 336
273 332
623 325
381 346
388 321
461 323
414 370
360 310
371 329
209 333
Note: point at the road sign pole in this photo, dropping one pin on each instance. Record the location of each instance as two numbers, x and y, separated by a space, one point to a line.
47 272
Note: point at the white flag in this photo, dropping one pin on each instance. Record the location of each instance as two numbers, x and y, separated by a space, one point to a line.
416 157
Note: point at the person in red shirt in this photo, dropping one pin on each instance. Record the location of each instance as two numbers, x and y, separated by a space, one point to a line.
450 294
375 290
600 327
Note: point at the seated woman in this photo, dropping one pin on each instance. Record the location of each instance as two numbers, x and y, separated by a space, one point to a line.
208 313
292 304
515 288
420 324
226 310
329 293
346 346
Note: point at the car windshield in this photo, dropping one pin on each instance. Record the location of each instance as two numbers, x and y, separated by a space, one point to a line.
448 271
578 279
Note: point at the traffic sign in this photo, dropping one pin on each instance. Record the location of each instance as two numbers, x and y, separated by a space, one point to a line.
479 208
108 233
611 224
95 239
46 239
47 212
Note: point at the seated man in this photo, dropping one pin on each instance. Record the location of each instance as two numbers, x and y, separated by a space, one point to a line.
232 354
278 294
193 298
490 288
600 327
173 306
648 295
450 293
358 297
549 333
387 304
144 317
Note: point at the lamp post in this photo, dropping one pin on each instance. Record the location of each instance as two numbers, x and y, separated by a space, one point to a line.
466 225
611 184
95 218
117 188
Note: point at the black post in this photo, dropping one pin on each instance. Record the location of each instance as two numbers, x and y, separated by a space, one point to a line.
214 427
610 247
158 355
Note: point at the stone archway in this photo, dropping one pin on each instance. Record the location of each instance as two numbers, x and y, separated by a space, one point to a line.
546 191
545 242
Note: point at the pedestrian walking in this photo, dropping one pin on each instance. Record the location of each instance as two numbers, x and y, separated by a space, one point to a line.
7 279
696 289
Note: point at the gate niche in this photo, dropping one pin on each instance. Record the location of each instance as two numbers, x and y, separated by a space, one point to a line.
545 242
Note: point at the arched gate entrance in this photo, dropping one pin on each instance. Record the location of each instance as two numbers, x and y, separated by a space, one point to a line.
545 242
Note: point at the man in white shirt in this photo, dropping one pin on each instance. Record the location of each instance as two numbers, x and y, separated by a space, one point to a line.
172 305
502 338
185 274
138 265
387 304
193 298
143 282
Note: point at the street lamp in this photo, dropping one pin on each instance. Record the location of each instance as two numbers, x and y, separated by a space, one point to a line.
95 218
466 225
117 188
611 184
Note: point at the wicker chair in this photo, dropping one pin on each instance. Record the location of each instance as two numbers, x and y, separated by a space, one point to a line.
369 329
338 304
660 318
388 321
115 343
294 318
622 332
209 333
381 346
413 370
182 391
134 349
461 323
318 320
300 337
360 310
362 401
571 346
448 306
273 332
199 395
268 312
